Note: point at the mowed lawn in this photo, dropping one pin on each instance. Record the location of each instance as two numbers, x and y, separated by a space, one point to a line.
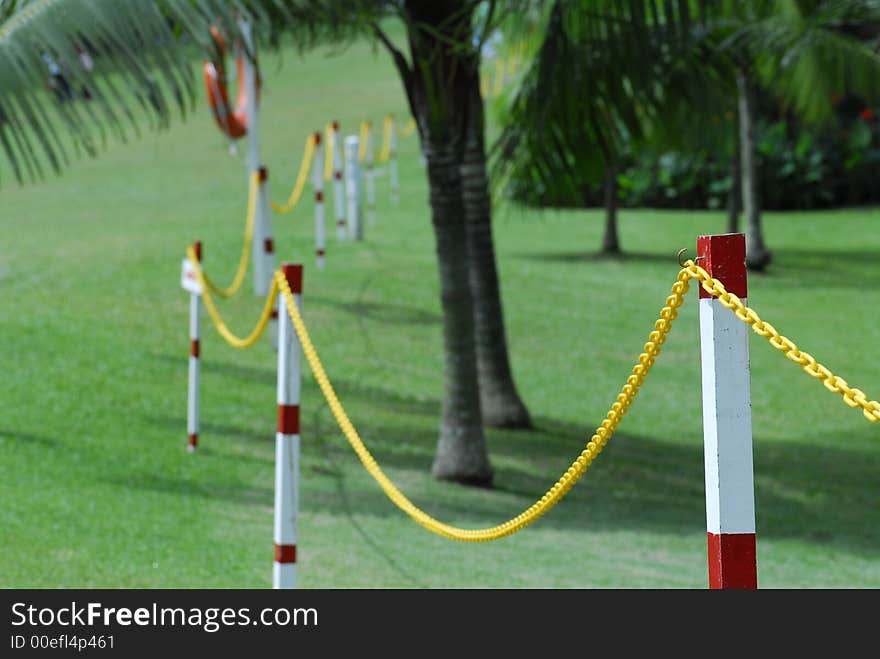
97 490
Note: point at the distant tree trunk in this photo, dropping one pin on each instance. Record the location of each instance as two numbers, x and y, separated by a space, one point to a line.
610 241
501 404
757 255
734 195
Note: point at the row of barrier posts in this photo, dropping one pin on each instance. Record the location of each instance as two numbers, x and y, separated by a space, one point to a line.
727 425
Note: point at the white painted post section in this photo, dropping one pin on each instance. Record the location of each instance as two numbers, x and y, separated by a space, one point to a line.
190 283
370 176
727 419
393 175
287 440
318 182
338 185
353 187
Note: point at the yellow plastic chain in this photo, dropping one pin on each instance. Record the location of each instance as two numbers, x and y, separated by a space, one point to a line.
560 488
853 397
409 129
364 135
224 331
833 383
246 248
329 144
304 168
387 129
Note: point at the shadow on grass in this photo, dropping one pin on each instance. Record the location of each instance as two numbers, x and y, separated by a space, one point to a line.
27 438
593 257
392 314
638 482
831 269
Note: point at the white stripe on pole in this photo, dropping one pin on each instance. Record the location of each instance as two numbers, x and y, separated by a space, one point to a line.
338 185
370 176
727 419
318 182
287 439
392 168
353 187
192 401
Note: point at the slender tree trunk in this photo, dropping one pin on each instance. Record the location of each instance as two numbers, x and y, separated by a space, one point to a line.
461 450
733 196
610 241
501 404
434 84
757 255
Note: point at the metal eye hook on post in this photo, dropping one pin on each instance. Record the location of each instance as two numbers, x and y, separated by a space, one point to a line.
682 252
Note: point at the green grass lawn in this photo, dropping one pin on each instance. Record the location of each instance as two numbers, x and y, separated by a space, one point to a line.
97 490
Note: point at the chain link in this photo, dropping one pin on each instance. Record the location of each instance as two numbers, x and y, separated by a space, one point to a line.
853 397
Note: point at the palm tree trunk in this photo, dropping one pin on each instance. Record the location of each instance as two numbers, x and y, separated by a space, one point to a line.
461 450
733 196
757 255
610 241
500 402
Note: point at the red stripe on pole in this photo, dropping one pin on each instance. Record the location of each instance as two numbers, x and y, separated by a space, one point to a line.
194 348
335 125
268 246
732 560
288 419
285 553
294 274
274 314
197 248
194 440
337 175
319 252
723 256
317 139
340 223
319 196
264 174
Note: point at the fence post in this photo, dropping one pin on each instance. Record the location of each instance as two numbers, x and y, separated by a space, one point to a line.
338 185
393 174
287 439
192 400
353 187
318 181
727 419
370 177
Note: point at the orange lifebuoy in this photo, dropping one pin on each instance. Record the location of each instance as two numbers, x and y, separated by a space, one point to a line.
232 122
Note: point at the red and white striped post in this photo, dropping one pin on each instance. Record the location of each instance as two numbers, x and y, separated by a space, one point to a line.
264 252
318 182
727 419
192 400
287 439
338 184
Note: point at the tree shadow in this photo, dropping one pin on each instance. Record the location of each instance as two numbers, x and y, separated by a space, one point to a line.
596 257
392 314
638 483
28 438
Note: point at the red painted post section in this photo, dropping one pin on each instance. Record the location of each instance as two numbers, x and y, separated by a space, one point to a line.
727 420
